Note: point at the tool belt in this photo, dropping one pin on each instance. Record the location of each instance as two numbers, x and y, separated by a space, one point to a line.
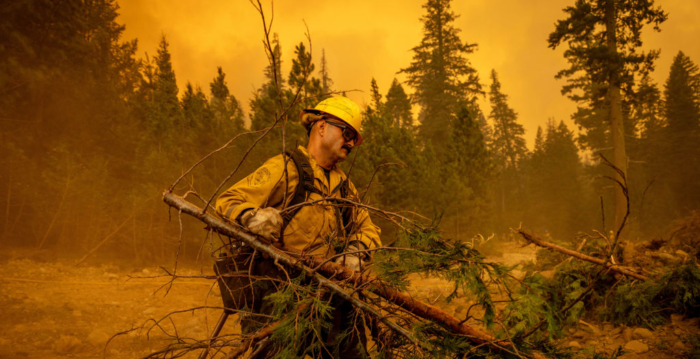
233 276
245 277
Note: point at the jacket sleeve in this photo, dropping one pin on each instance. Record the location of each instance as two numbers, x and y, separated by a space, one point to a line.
262 188
365 231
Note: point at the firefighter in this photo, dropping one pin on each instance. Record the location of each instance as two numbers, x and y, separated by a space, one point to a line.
308 211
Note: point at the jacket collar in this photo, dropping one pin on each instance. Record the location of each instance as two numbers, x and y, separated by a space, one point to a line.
336 174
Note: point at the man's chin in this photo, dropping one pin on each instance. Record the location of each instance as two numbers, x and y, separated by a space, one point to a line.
343 154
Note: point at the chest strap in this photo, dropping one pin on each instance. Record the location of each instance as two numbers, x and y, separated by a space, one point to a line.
305 186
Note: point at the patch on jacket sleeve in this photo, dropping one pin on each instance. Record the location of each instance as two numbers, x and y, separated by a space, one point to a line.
259 178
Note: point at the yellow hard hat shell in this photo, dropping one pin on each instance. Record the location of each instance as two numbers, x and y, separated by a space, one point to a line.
341 107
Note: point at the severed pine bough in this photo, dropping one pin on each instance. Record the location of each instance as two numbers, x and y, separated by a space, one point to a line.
412 328
418 328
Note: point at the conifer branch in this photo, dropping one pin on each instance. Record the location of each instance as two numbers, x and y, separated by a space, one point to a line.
228 230
341 273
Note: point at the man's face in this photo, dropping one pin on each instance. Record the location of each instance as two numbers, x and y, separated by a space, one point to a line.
339 139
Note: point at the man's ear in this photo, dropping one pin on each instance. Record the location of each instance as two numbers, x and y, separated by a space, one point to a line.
321 124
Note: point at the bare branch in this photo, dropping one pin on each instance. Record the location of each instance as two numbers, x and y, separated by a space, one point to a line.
531 238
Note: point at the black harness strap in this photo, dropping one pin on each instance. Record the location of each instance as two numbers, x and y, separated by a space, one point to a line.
304 187
346 211
307 185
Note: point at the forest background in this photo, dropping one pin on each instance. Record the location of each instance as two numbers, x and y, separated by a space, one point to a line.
91 133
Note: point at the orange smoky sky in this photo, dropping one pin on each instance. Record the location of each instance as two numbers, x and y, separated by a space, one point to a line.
367 39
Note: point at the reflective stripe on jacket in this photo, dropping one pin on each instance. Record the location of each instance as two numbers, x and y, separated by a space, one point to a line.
315 227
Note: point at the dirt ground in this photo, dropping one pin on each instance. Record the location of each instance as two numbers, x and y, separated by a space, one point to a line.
57 310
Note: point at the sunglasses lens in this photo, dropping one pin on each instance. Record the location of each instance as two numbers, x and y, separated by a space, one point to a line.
349 135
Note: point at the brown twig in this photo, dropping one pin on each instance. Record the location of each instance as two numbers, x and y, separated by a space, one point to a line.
385 164
104 240
387 215
55 215
209 155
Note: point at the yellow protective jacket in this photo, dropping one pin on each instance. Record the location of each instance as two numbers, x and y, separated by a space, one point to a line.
315 229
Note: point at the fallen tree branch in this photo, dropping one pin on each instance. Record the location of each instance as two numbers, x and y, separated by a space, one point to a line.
530 238
339 272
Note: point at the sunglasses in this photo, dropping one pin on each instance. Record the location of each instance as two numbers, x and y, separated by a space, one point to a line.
348 133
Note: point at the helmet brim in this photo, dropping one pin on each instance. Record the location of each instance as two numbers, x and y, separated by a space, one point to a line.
306 119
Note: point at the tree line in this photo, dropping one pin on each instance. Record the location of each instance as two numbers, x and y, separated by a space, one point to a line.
91 133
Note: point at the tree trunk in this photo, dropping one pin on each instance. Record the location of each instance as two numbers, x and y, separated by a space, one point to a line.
615 113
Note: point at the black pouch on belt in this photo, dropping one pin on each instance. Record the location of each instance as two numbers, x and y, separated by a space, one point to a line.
234 281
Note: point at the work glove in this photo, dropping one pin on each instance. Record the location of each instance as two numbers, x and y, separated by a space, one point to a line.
265 222
354 261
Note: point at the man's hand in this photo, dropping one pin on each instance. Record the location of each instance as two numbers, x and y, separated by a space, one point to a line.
265 222
354 261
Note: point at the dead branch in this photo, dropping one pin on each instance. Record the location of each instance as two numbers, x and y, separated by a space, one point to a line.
341 273
385 164
104 240
625 192
348 202
531 238
172 187
55 215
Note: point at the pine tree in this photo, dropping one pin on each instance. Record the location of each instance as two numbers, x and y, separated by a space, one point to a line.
440 73
647 109
603 38
165 147
486 129
508 150
682 132
219 88
227 112
390 167
682 107
398 106
376 97
539 143
195 107
273 71
165 111
650 193
508 142
326 81
65 68
265 106
556 192
301 77
271 98
467 173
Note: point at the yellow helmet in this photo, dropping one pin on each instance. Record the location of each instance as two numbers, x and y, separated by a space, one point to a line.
341 107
